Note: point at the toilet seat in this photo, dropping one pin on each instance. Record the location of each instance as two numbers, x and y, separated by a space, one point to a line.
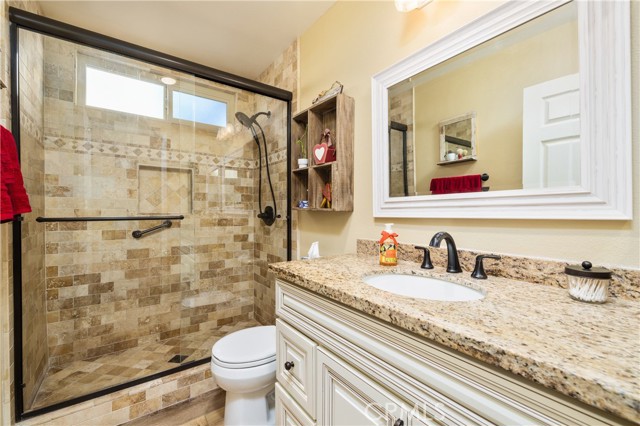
246 348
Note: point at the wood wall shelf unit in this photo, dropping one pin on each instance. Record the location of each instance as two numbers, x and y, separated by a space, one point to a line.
335 113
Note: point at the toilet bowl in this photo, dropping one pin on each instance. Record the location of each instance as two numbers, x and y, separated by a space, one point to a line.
243 363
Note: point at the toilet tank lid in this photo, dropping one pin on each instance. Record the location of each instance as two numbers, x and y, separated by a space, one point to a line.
243 346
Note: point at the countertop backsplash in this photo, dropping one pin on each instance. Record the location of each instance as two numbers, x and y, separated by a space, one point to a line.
625 283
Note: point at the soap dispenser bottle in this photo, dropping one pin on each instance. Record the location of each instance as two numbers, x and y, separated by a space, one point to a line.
388 246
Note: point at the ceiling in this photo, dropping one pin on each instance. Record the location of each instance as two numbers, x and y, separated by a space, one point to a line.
240 37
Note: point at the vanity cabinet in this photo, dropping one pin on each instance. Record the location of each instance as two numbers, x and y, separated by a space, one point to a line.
336 114
351 369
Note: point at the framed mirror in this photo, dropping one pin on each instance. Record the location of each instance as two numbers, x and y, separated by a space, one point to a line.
551 127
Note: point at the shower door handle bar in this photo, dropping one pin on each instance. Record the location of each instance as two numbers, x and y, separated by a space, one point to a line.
106 219
140 234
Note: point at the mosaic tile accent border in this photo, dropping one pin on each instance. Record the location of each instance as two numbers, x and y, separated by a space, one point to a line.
143 153
151 154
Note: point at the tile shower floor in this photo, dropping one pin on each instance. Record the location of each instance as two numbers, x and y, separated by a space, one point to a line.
83 377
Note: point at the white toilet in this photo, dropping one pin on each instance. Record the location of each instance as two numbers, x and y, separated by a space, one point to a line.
243 363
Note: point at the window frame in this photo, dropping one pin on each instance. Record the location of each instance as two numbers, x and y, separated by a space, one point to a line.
188 87
199 90
100 63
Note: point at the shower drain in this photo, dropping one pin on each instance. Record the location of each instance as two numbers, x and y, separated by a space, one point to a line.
178 358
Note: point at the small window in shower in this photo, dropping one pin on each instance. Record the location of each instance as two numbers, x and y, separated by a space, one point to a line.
197 103
201 110
125 94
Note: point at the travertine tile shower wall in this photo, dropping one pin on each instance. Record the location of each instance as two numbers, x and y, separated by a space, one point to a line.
271 242
107 291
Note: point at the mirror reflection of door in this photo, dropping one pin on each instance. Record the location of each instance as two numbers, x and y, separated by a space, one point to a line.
551 134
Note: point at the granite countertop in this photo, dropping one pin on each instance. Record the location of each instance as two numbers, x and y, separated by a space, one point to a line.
590 352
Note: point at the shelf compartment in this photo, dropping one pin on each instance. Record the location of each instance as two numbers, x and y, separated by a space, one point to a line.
320 176
299 186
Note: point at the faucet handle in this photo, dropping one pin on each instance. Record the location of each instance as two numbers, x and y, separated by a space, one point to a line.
426 260
478 271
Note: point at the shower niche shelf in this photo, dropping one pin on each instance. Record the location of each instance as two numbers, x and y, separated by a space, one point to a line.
335 113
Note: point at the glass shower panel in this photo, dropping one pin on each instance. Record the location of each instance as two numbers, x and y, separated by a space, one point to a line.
103 138
106 301
230 290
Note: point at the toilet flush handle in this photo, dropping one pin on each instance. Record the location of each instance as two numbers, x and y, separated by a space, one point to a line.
288 365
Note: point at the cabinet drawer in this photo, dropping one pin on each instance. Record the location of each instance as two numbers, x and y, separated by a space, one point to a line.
295 370
288 412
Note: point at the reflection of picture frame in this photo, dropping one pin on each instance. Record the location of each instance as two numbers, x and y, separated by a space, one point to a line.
458 139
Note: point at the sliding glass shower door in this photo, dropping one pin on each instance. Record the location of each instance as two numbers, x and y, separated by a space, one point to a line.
143 247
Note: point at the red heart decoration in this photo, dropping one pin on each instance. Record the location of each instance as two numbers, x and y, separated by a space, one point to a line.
320 153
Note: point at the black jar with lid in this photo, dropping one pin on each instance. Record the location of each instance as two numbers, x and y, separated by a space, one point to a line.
588 284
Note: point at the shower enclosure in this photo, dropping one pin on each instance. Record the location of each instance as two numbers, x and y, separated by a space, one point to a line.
148 239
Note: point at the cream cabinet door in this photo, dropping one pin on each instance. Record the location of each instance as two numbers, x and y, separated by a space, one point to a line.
288 412
347 397
295 354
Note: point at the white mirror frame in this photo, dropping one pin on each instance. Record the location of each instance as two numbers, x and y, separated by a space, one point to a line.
605 192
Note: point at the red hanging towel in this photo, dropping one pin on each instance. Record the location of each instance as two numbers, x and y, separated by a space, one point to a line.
455 184
13 197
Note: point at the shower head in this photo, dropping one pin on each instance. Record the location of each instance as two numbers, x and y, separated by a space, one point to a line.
244 120
247 121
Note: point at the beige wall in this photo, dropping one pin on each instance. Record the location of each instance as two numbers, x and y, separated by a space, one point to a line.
271 241
355 40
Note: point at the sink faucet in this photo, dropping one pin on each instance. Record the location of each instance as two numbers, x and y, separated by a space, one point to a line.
453 263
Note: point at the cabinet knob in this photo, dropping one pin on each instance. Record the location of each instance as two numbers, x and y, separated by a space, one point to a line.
399 422
289 365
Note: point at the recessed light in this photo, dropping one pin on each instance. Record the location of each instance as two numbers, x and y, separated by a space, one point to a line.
409 5
168 81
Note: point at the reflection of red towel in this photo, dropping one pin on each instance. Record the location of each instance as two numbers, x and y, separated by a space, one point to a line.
13 197
454 184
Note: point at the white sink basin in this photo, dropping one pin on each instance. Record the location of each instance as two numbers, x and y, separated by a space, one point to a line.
423 287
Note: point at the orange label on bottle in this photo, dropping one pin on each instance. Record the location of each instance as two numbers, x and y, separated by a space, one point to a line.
388 249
